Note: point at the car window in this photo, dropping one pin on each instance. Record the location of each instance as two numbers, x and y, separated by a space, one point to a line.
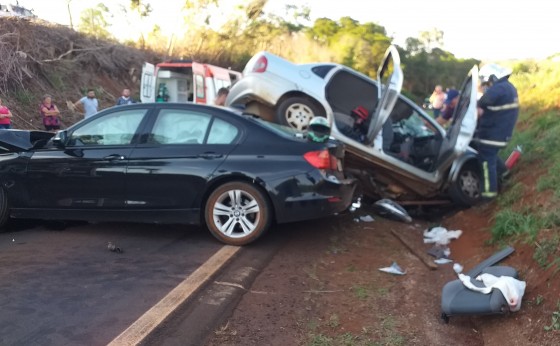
116 128
409 122
177 126
222 132
199 86
322 70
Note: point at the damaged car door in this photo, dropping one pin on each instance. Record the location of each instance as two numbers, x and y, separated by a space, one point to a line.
390 81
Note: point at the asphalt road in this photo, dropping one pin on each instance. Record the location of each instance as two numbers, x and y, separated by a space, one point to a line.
64 287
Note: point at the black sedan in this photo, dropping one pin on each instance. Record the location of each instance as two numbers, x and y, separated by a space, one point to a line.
172 163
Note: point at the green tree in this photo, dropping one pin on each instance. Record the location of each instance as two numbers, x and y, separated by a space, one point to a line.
93 21
360 46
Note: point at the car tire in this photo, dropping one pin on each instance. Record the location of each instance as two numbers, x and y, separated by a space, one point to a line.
4 210
466 189
237 222
296 112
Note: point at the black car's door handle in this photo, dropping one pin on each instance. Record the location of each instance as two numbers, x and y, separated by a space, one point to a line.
210 155
114 157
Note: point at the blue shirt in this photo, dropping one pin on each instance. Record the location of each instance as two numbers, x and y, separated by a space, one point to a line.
90 106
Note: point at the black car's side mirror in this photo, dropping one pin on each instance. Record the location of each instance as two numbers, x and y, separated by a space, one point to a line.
60 138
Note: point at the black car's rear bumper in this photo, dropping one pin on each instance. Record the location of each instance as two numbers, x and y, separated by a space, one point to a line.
312 195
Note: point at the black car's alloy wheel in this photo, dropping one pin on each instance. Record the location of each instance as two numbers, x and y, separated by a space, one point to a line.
237 213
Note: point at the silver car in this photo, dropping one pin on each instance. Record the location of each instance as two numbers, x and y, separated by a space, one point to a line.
393 147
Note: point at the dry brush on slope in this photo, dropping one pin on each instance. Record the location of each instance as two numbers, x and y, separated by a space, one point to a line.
37 57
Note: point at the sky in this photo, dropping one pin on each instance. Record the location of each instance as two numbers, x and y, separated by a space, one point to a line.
490 30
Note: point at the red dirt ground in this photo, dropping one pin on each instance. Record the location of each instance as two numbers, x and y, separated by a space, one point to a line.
325 288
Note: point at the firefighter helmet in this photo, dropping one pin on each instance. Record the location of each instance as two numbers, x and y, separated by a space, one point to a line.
492 72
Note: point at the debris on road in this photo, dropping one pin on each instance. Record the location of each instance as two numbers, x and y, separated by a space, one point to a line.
442 261
440 235
465 296
366 218
511 288
356 205
114 248
391 210
393 269
411 241
439 252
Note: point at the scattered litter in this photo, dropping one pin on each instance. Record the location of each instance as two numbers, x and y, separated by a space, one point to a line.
511 288
442 261
439 252
356 205
392 210
114 248
366 218
356 219
458 268
393 269
440 235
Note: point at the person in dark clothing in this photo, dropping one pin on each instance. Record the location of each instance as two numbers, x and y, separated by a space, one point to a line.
498 109
125 98
449 107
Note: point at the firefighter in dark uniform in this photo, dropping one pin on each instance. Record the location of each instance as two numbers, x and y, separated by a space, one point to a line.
498 111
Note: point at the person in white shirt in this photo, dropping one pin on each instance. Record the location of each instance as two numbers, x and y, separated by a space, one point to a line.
89 102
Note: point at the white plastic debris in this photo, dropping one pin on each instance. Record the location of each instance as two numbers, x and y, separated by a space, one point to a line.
440 235
393 269
457 268
356 205
442 261
511 288
366 218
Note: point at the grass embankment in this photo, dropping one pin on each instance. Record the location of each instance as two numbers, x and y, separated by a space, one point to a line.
528 207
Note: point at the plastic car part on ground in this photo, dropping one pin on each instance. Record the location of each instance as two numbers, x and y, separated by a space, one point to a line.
457 299
356 205
393 269
392 210
511 288
442 261
440 235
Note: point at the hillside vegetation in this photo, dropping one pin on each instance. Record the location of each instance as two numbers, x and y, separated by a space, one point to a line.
38 58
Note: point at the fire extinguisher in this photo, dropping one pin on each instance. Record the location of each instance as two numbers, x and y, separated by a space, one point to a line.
513 157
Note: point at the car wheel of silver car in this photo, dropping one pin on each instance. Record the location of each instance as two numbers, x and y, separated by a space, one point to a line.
296 112
466 189
237 213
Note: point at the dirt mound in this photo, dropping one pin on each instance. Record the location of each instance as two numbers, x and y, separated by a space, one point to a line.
37 58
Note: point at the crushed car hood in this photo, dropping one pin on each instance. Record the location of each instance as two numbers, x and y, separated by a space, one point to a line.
23 140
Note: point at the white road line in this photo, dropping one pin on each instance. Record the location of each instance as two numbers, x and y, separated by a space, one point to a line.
143 326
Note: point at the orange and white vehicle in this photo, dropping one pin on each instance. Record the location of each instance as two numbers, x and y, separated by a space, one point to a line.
184 81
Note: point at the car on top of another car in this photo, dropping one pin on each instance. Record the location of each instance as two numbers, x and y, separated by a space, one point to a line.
393 146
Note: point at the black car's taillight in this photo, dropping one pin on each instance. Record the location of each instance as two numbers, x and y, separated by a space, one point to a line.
321 159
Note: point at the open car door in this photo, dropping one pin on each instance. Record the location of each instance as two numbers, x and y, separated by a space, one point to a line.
461 131
390 80
148 80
